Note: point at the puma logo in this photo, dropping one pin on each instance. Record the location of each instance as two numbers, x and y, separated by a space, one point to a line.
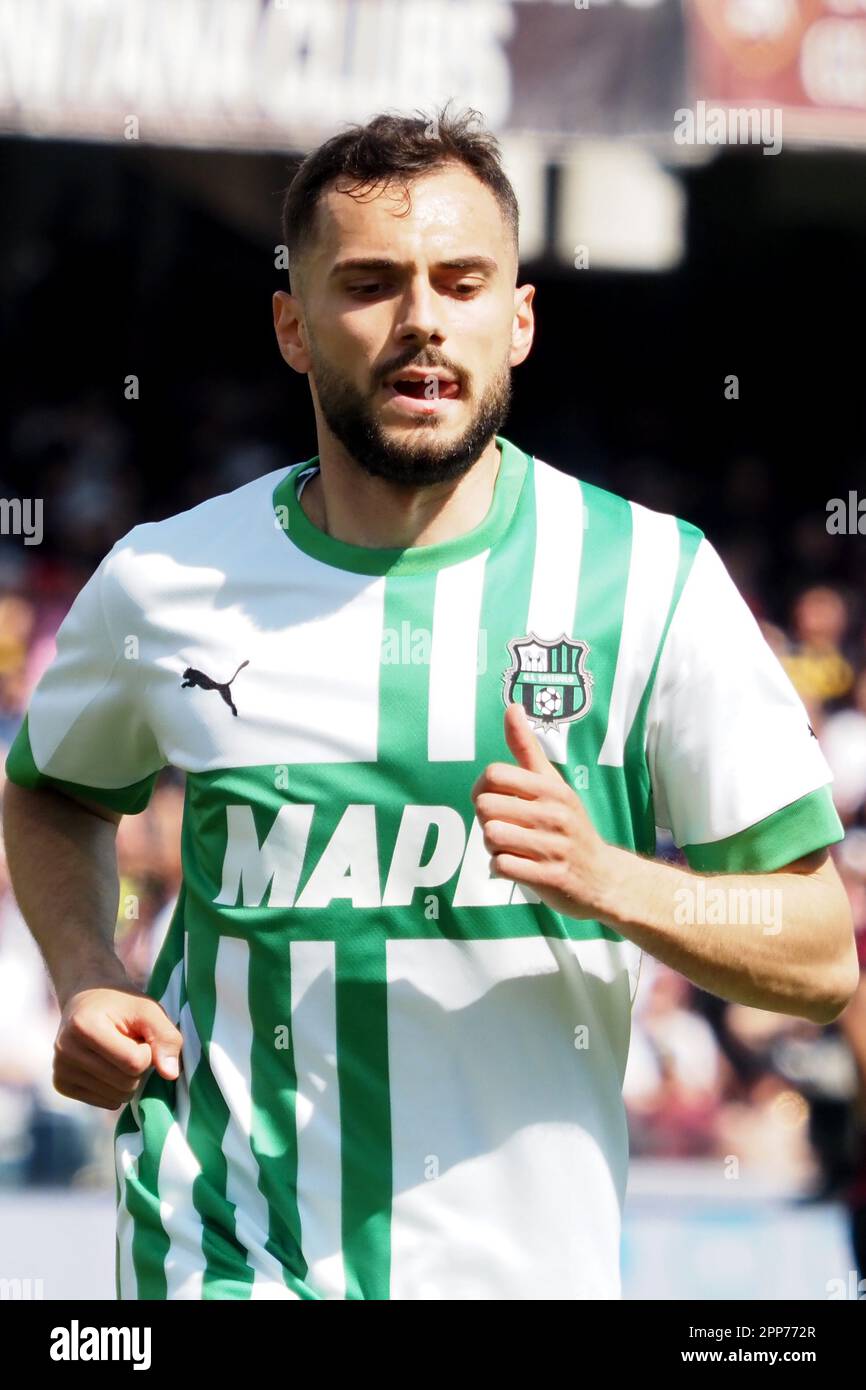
193 677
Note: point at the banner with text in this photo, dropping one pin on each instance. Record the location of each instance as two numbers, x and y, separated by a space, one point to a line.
279 74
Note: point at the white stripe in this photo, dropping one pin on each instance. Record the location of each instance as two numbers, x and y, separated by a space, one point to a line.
178 1169
191 1040
319 1180
178 1165
127 1152
527 1037
230 1057
128 1149
171 995
454 652
555 573
655 554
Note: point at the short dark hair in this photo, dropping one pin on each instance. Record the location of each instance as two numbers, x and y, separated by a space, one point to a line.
393 148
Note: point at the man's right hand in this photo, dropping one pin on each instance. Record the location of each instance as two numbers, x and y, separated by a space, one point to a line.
107 1040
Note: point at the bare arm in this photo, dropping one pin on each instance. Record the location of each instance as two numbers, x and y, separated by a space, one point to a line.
63 866
62 862
782 941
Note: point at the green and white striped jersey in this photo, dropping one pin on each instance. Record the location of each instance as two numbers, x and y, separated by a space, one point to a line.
402 1076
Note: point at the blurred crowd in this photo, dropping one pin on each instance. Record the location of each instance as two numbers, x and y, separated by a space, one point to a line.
710 1079
705 1079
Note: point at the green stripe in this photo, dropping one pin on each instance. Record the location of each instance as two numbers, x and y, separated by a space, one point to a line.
274 1097
638 780
508 571
149 1241
156 1105
21 768
795 830
365 1114
603 581
227 1273
500 622
226 1266
428 784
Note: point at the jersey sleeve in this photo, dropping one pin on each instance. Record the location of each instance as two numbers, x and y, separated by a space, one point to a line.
737 774
86 728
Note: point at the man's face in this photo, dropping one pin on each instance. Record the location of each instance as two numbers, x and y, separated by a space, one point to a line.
411 323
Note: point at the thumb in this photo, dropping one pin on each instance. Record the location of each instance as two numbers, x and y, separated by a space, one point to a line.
153 1026
522 741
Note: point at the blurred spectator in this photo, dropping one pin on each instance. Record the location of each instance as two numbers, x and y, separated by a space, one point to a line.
17 622
674 1073
843 740
816 664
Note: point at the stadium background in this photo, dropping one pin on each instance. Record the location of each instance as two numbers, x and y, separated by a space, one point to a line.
697 351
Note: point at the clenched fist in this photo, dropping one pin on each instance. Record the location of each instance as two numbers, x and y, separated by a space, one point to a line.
107 1040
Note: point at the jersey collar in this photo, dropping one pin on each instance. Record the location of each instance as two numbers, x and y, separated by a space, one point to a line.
416 559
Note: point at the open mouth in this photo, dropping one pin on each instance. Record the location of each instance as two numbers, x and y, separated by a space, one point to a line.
422 389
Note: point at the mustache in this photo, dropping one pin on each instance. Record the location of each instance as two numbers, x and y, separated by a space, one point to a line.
414 361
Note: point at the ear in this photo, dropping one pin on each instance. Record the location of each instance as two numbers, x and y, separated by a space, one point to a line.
289 328
523 324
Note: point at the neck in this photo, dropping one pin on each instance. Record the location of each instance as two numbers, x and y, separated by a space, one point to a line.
347 503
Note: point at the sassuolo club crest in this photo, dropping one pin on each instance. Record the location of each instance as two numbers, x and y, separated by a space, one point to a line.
549 678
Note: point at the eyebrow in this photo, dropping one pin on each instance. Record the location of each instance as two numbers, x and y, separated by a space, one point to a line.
486 263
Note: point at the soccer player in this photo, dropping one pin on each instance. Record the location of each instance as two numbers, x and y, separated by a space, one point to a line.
432 696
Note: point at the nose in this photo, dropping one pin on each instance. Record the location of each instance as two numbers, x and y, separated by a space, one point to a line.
419 316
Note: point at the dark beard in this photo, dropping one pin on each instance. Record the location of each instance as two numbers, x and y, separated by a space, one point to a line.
350 418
